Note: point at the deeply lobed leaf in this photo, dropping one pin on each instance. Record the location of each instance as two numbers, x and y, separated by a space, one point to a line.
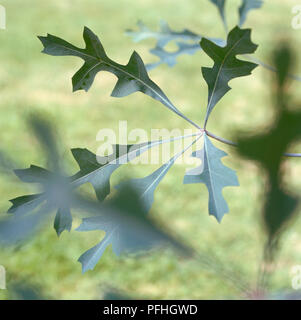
226 66
163 36
132 77
127 229
214 175
57 192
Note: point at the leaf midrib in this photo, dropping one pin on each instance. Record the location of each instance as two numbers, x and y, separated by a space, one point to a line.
218 75
212 185
165 101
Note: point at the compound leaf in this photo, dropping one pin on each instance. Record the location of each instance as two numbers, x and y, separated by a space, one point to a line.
226 66
214 175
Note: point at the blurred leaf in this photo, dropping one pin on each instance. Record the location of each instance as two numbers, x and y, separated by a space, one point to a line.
57 189
220 4
188 44
19 228
24 291
214 175
267 150
170 58
226 65
116 295
45 133
7 164
285 295
56 193
127 228
246 7
135 199
163 36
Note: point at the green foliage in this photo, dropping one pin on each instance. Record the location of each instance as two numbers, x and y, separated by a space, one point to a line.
127 228
123 217
267 149
226 65
132 77
214 175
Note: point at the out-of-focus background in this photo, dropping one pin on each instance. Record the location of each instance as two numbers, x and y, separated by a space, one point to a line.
33 82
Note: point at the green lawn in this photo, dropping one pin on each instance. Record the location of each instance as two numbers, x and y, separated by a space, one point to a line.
32 82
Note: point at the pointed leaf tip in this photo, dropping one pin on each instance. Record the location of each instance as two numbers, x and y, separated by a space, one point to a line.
215 175
226 65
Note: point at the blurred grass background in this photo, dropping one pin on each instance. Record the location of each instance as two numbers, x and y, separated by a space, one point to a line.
32 82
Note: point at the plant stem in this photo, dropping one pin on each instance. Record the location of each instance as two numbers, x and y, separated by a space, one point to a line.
231 143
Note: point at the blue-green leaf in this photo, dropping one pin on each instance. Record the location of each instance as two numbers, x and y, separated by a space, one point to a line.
188 44
226 66
18 228
127 229
94 172
63 220
246 6
170 58
93 169
220 4
25 204
163 36
146 186
214 175
98 170
33 174
132 77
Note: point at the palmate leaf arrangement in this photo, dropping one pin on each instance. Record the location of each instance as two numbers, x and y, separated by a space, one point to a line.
133 77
